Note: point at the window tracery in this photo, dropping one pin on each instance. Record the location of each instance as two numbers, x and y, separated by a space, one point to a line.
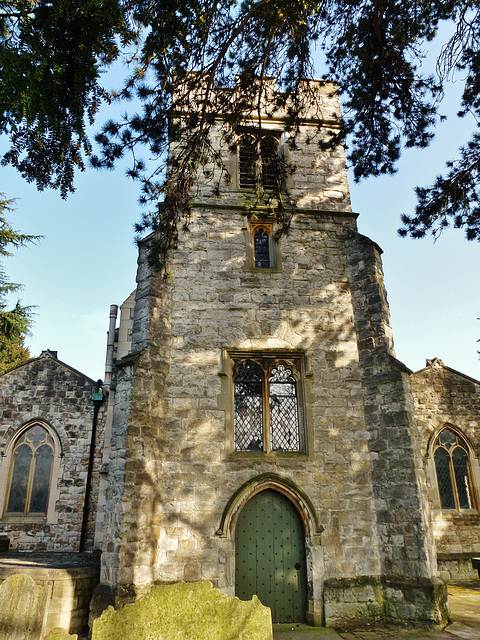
452 466
30 472
267 411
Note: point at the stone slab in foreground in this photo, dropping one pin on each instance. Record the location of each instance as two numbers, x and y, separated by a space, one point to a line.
182 610
23 608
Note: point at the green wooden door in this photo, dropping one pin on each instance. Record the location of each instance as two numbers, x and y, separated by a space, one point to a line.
270 556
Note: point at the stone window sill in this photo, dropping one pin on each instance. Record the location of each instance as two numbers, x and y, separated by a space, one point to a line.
263 456
461 516
22 519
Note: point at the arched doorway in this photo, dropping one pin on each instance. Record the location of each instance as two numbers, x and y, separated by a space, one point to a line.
270 556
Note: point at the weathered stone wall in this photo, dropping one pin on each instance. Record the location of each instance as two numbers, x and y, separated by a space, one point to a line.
172 476
71 580
318 179
398 475
173 472
446 397
47 390
178 477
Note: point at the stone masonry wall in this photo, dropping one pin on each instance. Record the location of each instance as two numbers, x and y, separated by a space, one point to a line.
401 506
173 471
49 391
178 476
445 397
398 473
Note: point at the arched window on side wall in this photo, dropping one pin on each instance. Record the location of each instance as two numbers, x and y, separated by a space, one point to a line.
30 473
450 453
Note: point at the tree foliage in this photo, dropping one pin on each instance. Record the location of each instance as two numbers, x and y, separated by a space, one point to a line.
52 55
15 323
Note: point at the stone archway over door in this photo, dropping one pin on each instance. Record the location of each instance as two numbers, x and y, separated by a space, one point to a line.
270 556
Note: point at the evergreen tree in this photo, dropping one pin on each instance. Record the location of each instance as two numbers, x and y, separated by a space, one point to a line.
14 323
52 55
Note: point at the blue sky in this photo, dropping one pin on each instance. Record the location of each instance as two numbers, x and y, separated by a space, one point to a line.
87 260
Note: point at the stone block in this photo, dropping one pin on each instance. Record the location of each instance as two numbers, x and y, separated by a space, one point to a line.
177 611
23 608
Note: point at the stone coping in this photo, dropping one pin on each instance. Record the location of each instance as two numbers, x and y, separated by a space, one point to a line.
468 555
72 563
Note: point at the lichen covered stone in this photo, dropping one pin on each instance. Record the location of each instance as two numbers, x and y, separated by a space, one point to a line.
23 608
179 611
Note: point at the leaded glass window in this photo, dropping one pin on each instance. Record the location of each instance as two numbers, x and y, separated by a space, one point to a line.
248 408
266 407
31 471
450 453
261 241
284 431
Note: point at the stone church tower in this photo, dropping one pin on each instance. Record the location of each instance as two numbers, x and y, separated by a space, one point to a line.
263 434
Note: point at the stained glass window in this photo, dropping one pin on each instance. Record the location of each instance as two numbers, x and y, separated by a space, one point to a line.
18 488
453 476
266 411
32 463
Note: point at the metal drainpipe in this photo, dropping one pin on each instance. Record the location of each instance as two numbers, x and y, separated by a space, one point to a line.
97 398
110 346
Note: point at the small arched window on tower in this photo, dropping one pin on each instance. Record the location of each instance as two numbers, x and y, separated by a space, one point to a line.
262 246
450 453
30 473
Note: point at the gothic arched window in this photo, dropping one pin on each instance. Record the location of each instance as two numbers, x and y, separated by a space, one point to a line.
450 453
261 244
266 407
30 472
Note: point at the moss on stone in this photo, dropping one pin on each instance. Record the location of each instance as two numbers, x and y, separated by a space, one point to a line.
23 608
181 611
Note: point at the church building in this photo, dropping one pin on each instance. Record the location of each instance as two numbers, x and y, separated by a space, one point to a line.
258 430
264 434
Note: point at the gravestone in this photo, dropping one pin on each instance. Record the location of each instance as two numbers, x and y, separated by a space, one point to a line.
23 608
182 610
